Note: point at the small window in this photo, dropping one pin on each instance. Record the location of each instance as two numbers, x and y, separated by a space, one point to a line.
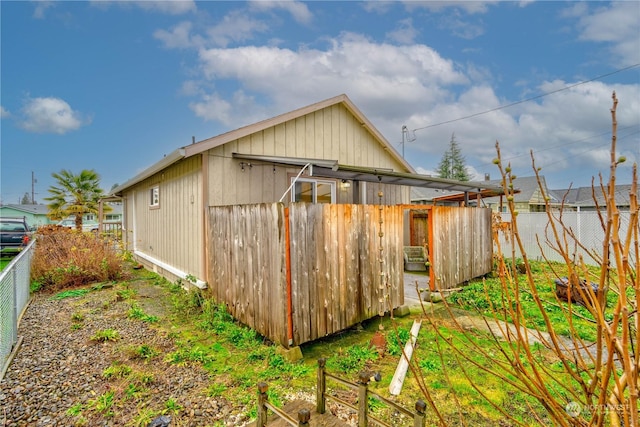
314 191
154 197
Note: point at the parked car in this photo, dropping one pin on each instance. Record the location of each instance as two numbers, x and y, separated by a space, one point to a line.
14 234
86 226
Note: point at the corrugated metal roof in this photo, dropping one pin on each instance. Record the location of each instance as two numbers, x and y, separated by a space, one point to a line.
332 169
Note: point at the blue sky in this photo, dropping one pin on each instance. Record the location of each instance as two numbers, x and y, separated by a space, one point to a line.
114 86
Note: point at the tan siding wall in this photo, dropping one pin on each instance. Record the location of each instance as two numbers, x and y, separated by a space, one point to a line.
332 133
173 233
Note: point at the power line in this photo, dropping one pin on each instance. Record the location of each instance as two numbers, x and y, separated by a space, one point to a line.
556 147
529 99
558 160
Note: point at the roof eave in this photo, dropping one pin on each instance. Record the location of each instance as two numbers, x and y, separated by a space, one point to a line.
166 161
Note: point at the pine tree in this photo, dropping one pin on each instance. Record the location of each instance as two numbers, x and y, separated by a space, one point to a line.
26 199
452 163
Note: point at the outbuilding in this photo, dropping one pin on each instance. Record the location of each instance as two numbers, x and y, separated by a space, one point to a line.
297 223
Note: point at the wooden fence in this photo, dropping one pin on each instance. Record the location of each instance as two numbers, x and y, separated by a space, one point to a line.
462 246
300 273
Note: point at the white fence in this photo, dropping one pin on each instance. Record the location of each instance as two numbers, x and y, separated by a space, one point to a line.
15 283
535 226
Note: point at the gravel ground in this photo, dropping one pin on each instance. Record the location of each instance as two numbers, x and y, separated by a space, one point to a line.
60 367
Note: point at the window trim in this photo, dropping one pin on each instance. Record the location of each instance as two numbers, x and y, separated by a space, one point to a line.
154 197
315 182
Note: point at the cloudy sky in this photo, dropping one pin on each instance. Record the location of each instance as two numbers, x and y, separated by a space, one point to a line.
114 86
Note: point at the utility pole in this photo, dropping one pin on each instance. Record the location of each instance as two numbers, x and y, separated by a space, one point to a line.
404 131
33 188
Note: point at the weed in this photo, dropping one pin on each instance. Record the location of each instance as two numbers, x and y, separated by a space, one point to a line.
72 293
429 365
75 410
396 339
352 359
35 286
216 389
105 335
125 294
143 418
77 317
137 313
116 370
144 351
133 391
103 403
172 406
76 326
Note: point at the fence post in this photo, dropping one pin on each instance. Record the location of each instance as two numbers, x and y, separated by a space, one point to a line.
419 419
14 282
261 420
363 403
303 417
321 388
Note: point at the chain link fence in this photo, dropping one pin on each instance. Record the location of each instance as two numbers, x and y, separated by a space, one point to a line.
15 281
538 239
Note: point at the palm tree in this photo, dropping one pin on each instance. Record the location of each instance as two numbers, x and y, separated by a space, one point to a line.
75 195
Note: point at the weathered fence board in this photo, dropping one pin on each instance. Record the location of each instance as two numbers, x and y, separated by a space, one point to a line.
334 266
462 246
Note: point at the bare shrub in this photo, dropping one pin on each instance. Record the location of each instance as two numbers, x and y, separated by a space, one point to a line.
565 380
67 258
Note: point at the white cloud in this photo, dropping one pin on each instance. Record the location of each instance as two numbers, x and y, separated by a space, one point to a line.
4 113
615 24
404 76
173 7
405 33
236 26
470 7
50 115
169 7
41 8
298 10
179 37
414 85
213 107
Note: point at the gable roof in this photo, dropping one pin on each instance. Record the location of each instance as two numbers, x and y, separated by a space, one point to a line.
30 209
584 196
216 141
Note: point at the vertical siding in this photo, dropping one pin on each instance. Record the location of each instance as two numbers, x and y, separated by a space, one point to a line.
172 233
332 133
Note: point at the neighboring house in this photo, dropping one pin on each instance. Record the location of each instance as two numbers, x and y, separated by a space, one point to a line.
218 212
527 197
36 215
114 213
589 199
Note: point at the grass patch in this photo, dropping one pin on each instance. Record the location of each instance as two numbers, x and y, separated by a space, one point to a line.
106 335
71 293
480 296
135 312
